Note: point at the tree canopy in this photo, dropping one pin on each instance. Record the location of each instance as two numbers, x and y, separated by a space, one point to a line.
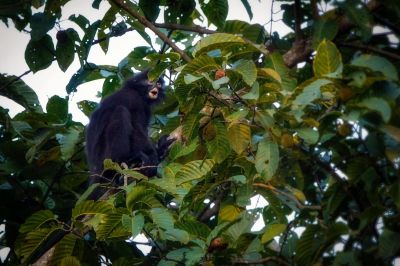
308 121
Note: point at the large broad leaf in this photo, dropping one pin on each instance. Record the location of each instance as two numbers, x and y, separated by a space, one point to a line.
271 231
309 135
36 220
328 61
68 142
239 136
218 147
106 23
215 41
41 23
162 218
247 69
379 105
308 244
275 62
34 240
64 249
324 29
57 108
377 63
151 9
92 207
267 158
39 54
16 89
65 49
229 213
70 261
310 92
110 223
133 224
216 11
194 170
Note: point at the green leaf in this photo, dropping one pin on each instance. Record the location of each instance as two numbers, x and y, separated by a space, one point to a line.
328 61
379 105
218 147
64 249
70 261
309 242
247 69
229 213
34 240
65 49
174 234
264 119
310 92
141 197
106 23
41 23
17 90
194 228
275 62
39 54
178 150
162 218
92 207
151 9
248 8
194 170
133 224
271 231
378 64
254 93
239 135
189 78
215 41
36 220
57 107
267 158
191 126
324 29
361 16
216 11
389 243
87 107
309 135
68 142
111 223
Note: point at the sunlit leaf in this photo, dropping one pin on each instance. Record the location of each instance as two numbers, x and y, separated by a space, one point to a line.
267 158
194 170
328 61
271 231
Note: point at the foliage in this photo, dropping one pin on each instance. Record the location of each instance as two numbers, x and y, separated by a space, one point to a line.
318 140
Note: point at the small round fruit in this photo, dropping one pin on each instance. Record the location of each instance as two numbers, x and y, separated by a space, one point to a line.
344 129
287 140
219 74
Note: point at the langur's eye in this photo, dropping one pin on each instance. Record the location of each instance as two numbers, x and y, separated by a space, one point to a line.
159 84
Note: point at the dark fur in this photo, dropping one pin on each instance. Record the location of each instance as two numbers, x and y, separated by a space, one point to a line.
118 130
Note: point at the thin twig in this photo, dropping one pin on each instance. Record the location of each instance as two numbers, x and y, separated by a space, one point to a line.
370 48
293 198
127 8
262 261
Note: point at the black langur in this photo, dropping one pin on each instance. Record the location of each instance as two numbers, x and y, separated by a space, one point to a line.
118 130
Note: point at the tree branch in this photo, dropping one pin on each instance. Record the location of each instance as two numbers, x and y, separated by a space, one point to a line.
196 28
122 5
279 261
370 48
293 198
